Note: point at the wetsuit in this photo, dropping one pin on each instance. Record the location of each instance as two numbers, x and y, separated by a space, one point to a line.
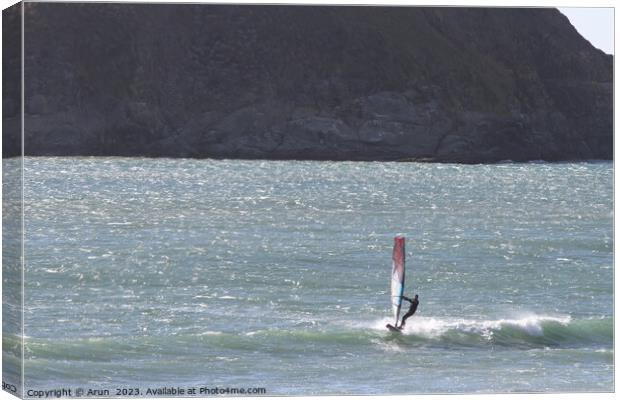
412 309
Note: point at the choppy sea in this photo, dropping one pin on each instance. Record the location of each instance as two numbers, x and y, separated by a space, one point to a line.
276 274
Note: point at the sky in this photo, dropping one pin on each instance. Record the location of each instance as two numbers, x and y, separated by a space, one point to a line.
594 24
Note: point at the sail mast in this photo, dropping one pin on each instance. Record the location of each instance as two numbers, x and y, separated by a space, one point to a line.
398 275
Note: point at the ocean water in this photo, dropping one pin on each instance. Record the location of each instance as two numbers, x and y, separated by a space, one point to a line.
276 274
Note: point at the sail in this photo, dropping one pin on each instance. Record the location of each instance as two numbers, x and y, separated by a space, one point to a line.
398 275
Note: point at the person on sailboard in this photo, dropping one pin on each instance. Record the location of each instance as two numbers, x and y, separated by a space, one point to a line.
412 309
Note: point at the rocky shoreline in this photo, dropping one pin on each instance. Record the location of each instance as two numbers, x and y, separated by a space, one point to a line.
467 85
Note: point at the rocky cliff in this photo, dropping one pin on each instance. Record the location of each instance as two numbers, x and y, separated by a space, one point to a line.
309 82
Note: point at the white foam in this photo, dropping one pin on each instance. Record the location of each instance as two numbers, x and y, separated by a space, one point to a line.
209 333
603 351
530 324
431 327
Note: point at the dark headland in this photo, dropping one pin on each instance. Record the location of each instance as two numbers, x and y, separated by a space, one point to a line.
307 82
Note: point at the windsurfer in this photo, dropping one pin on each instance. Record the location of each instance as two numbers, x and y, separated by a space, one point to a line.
412 309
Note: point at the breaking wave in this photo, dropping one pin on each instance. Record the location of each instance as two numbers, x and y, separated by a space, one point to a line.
528 332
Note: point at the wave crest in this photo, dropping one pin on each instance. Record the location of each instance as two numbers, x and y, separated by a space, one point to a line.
533 330
527 332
